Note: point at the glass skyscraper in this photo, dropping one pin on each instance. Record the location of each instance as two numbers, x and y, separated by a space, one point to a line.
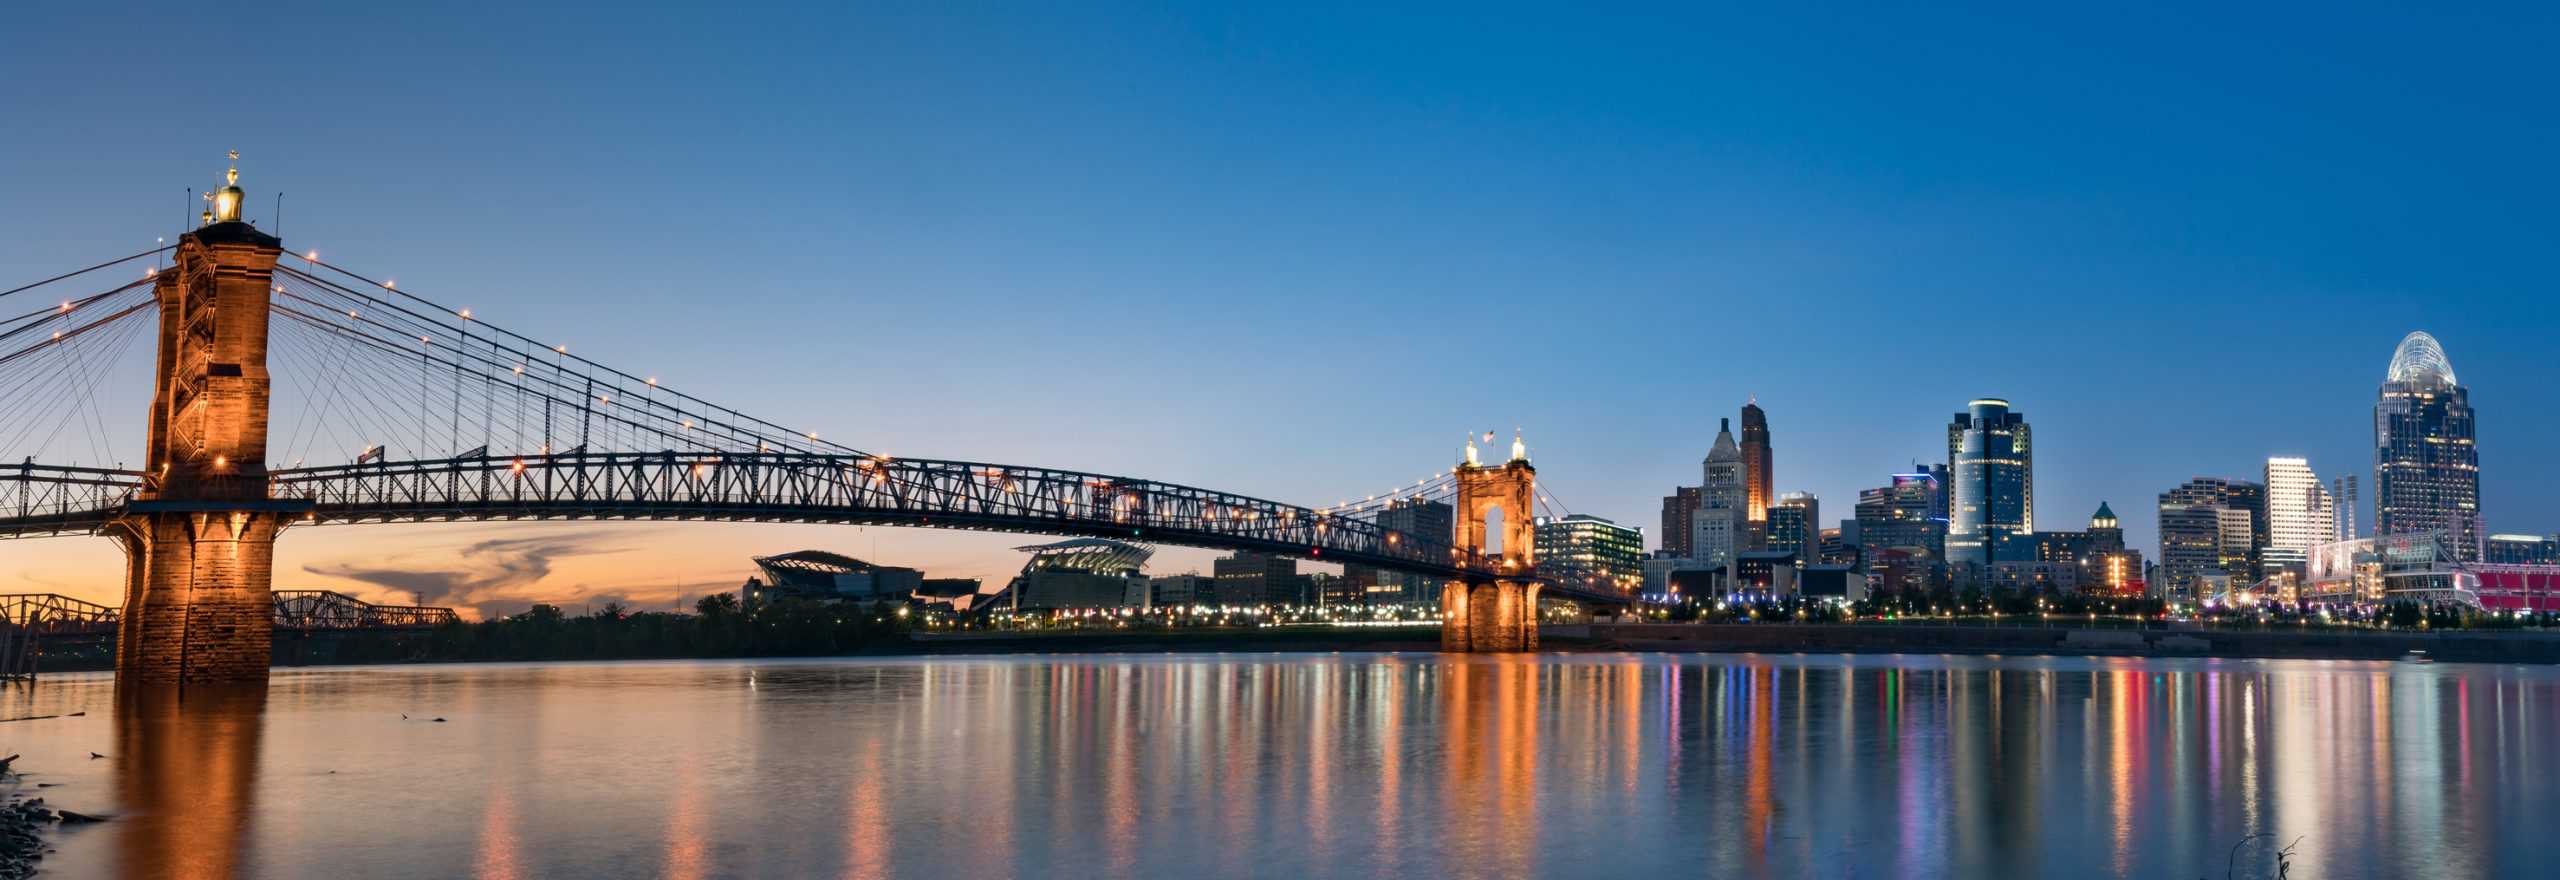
1991 504
1586 550
2426 471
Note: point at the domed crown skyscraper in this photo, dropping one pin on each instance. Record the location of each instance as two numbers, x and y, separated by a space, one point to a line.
2426 466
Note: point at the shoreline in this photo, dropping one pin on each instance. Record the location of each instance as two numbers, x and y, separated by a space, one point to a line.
2453 646
2462 646
2469 646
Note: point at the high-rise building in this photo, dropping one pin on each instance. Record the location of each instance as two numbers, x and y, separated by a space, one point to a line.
2210 529
1679 515
2097 557
1906 515
1589 550
1756 475
1991 508
1839 545
1433 520
2251 499
2426 470
1720 525
1794 526
2301 514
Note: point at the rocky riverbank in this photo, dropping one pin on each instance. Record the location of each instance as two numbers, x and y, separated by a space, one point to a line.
24 823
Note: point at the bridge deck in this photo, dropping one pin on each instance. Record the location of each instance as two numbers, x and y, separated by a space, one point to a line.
782 487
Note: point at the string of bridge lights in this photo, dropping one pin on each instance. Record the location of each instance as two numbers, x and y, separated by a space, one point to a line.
1432 486
750 426
1438 484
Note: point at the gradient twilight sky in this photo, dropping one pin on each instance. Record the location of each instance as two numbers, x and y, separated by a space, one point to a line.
1297 252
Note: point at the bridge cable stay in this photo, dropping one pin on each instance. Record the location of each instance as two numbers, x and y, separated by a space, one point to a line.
52 359
51 363
397 343
1443 485
487 369
75 273
1560 507
625 385
372 367
370 351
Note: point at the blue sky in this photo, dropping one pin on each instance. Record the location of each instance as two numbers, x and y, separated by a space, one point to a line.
1299 251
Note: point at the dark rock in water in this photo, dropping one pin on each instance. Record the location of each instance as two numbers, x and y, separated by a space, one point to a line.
20 846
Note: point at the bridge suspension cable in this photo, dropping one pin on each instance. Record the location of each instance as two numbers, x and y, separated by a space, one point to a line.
648 407
52 361
474 385
75 273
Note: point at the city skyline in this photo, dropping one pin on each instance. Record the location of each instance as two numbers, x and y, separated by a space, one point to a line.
872 211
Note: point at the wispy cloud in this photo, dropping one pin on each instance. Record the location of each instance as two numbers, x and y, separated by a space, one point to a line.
492 575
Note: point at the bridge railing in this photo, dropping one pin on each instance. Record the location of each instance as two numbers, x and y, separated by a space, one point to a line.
804 487
329 609
51 613
54 612
42 499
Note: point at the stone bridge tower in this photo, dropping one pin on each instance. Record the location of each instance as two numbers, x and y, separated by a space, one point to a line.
199 538
1502 614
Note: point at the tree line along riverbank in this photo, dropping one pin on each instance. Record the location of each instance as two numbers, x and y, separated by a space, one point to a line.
721 626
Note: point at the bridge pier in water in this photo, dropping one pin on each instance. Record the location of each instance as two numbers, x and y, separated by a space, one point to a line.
1500 615
198 603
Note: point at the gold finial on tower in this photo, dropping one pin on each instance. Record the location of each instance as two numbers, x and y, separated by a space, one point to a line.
226 201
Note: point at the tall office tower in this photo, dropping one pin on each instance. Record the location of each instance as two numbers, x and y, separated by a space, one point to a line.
1905 517
2111 567
2342 490
2299 515
1756 475
1991 505
1720 525
1794 526
2098 555
2426 470
1435 520
2105 533
2249 499
1679 512
2208 530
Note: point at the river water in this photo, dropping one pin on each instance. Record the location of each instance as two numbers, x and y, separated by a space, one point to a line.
1324 765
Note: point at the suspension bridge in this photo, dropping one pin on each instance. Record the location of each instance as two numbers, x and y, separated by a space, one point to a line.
396 408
